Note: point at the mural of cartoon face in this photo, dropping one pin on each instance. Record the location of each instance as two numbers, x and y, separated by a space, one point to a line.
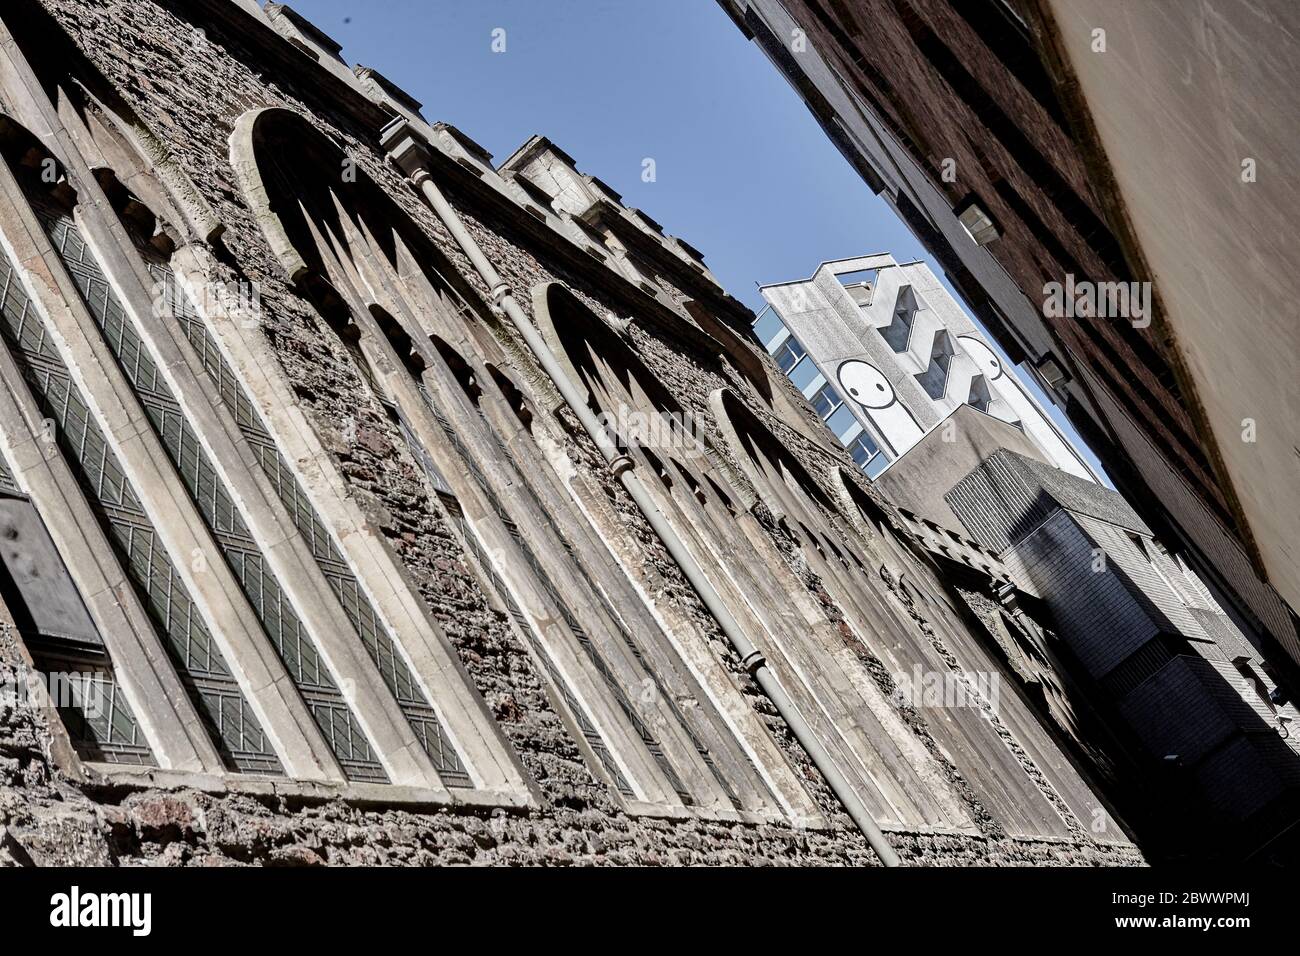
865 384
983 356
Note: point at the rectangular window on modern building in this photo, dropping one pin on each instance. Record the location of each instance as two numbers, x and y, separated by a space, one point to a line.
768 326
827 401
863 450
867 455
789 354
841 422
804 374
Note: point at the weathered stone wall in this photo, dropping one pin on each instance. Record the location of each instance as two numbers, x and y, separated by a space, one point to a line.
189 87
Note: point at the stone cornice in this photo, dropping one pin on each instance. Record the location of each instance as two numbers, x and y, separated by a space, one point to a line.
325 91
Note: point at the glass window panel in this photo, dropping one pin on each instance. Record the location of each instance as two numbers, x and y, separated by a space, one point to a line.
826 401
802 375
789 354
862 449
767 325
841 421
876 465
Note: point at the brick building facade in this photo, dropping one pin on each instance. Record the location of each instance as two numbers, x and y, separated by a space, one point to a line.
1154 651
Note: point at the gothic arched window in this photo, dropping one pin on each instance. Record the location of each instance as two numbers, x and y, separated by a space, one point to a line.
420 339
852 566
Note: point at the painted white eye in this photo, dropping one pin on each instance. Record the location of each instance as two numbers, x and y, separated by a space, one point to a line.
865 384
982 355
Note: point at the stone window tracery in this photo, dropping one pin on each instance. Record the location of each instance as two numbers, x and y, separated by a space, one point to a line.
621 686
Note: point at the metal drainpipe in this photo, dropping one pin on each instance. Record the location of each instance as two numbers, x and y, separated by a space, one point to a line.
407 153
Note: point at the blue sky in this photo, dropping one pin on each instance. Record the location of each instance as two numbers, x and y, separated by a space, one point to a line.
743 172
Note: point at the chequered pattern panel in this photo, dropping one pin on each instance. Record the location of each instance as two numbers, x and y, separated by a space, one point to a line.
378 643
279 621
69 423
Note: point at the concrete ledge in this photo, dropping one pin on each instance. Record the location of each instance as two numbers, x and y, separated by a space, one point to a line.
638 808
131 779
115 777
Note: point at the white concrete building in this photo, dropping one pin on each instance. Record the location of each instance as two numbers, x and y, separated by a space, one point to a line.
885 355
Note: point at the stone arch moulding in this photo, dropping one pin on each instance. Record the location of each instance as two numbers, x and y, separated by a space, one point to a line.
564 318
445 685
254 133
732 349
727 407
244 141
751 364
286 204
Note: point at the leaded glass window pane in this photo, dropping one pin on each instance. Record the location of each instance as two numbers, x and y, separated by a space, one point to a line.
93 708
199 663
378 643
53 623
279 621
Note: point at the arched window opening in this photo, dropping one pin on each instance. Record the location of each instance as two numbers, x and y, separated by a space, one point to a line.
181 630
743 559
400 340
153 232
147 229
721 496
827 538
349 234
461 369
515 400
329 304
543 529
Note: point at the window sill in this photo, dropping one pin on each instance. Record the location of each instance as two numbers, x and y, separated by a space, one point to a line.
111 777
638 808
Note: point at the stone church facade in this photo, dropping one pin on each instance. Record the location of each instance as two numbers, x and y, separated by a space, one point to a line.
363 502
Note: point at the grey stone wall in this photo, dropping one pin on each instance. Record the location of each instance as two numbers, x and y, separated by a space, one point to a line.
189 87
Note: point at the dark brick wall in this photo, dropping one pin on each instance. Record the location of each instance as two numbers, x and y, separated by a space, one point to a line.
955 80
